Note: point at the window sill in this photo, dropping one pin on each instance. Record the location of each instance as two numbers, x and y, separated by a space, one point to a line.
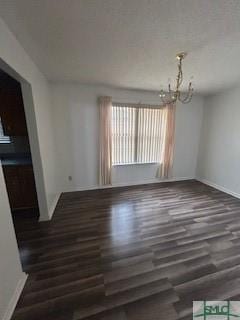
133 163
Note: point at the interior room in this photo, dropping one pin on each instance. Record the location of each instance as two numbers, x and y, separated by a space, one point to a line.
15 149
15 155
119 153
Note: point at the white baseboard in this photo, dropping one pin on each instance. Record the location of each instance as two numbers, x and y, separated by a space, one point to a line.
13 302
218 187
51 210
116 185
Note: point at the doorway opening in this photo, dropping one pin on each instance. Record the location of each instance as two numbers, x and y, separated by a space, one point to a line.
16 158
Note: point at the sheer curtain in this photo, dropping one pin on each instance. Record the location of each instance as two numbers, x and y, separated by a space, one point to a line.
105 167
165 169
135 135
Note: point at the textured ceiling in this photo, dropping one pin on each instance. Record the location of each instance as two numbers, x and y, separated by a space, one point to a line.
130 43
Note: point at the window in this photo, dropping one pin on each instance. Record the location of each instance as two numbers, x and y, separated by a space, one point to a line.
137 134
3 138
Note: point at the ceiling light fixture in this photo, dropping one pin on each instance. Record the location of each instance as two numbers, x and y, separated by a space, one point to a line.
173 96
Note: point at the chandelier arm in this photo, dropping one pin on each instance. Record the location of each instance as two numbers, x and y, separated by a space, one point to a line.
171 95
170 98
189 93
187 98
163 101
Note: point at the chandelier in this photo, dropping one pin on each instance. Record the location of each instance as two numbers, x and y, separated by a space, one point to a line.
172 96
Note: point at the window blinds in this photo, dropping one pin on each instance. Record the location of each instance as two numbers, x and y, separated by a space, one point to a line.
137 134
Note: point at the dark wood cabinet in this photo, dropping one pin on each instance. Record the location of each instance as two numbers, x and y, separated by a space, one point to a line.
20 186
12 111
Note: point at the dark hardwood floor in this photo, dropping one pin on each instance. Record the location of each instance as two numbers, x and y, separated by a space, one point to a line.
133 253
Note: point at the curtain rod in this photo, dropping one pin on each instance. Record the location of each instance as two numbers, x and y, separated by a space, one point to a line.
138 105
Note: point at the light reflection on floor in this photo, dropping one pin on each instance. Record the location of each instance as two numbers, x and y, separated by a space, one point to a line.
123 224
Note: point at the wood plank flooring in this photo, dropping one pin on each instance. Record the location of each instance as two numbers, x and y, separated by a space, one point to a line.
133 253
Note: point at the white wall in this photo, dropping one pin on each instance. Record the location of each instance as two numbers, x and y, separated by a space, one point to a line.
219 152
77 127
14 59
11 274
